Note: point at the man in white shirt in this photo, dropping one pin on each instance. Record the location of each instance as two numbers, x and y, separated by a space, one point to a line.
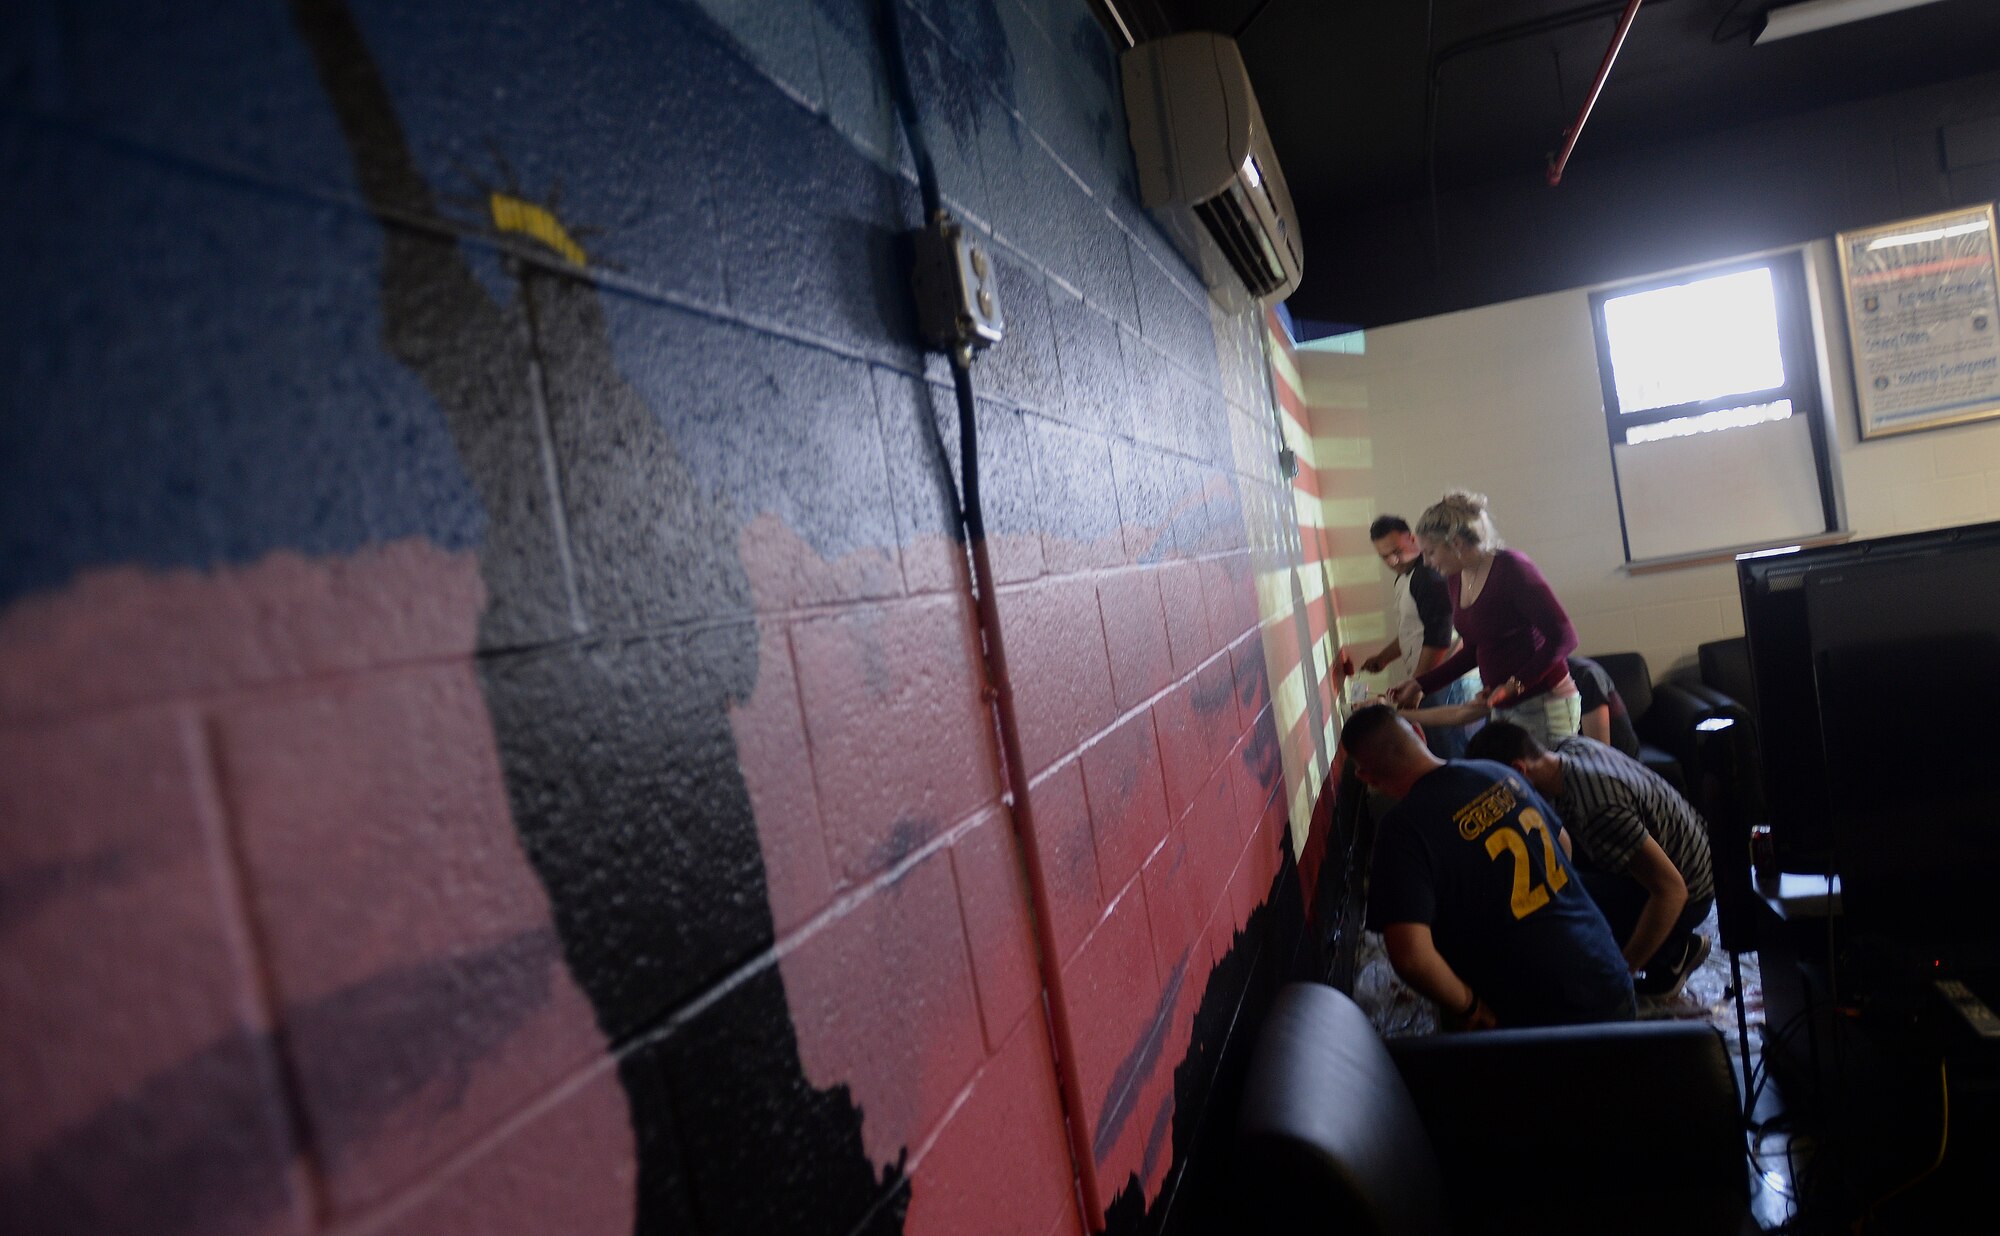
1424 634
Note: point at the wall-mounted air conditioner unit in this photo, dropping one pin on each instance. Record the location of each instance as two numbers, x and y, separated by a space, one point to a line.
1200 142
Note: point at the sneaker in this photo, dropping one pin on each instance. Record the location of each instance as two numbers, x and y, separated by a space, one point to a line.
1665 982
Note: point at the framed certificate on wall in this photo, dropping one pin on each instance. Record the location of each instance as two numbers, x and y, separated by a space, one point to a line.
1923 320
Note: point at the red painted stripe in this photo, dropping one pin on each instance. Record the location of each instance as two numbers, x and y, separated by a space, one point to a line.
1346 542
1924 268
1360 598
1294 405
1316 617
1311 553
1331 421
1351 483
1281 645
1317 831
1314 544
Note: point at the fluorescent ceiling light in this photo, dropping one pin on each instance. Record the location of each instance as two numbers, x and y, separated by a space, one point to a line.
1936 233
1791 19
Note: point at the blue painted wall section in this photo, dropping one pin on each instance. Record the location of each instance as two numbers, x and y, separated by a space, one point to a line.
492 732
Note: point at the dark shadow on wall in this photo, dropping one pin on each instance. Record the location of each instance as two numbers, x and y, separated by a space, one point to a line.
198 1147
1261 958
1306 929
620 763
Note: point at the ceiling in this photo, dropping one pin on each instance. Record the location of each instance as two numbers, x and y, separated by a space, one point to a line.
1342 84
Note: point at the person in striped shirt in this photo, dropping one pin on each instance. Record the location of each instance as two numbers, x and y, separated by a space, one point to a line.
1642 850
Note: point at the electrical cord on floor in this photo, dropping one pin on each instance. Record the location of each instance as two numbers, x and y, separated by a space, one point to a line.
1764 1173
1760 1072
1808 1148
1822 1189
1944 1141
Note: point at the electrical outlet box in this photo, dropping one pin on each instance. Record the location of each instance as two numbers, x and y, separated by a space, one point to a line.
958 296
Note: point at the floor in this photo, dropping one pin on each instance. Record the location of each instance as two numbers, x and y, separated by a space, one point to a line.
1397 1010
1891 1138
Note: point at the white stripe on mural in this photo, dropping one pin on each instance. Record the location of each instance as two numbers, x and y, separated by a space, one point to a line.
1339 452
1355 569
1363 628
1347 512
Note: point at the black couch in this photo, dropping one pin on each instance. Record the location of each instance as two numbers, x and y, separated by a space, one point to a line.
1629 1128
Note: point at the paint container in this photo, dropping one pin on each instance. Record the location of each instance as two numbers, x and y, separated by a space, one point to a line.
1763 854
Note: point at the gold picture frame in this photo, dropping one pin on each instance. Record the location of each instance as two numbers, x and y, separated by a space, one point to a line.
1922 298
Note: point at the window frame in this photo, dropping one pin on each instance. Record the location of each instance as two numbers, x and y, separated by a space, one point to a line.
1798 349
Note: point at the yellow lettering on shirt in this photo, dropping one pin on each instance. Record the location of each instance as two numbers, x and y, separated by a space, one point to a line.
1483 812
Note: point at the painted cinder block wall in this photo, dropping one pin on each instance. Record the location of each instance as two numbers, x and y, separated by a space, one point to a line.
491 722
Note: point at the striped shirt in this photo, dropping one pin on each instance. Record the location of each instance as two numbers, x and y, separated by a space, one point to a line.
1611 803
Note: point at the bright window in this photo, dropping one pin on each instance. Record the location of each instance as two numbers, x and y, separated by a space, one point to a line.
1694 341
1703 375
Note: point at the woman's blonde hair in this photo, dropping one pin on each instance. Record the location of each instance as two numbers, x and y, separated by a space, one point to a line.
1460 516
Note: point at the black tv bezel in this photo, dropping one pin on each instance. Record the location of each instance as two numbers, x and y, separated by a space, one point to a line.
1810 846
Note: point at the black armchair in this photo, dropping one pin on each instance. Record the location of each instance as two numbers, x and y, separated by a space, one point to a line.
1664 716
1730 793
1628 1128
1725 667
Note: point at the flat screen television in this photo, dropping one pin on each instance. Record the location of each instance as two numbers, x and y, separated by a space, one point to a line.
1877 673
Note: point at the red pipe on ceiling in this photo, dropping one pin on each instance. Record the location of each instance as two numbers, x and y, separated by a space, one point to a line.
1575 131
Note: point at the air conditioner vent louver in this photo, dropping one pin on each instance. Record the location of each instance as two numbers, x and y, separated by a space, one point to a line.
1199 141
1236 234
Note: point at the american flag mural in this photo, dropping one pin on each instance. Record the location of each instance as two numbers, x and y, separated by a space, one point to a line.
1318 588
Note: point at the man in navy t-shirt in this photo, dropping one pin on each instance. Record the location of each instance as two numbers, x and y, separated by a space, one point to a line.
1473 891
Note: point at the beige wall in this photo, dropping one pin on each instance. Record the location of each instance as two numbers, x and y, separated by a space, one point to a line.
1505 399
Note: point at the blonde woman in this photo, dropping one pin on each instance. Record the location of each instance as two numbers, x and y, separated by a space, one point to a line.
1509 621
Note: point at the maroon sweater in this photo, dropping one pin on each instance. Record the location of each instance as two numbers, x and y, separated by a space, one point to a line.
1516 629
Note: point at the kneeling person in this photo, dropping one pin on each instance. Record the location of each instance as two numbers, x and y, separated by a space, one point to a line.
1643 850
1478 904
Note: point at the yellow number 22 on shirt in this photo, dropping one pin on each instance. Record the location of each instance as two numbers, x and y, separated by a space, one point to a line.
1528 896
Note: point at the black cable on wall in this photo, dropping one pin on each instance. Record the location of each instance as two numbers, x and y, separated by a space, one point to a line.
971 532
